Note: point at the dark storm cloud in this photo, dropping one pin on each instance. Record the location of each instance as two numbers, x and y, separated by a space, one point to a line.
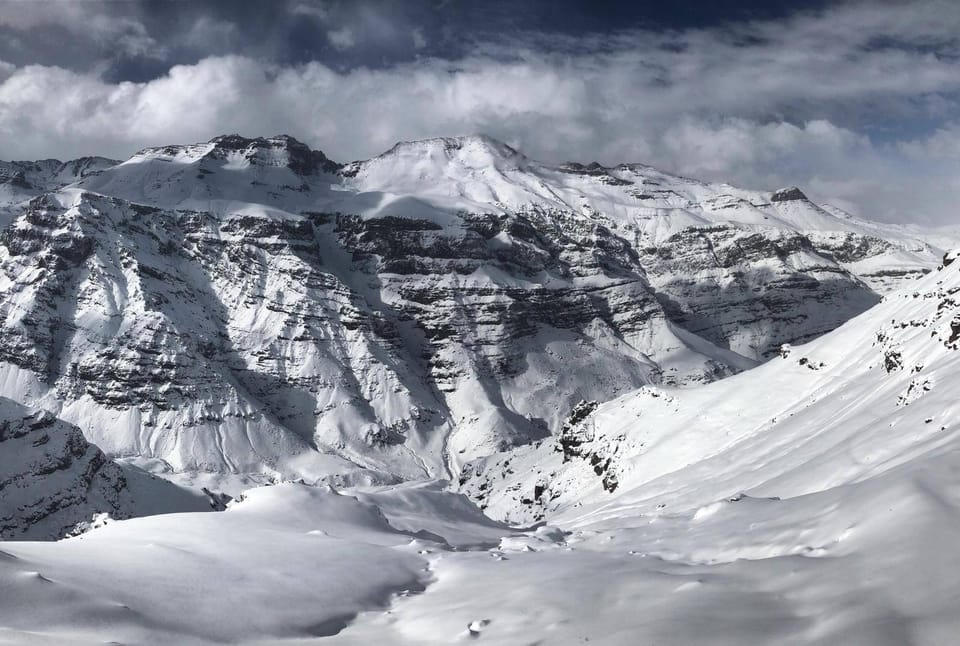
858 102
140 41
137 40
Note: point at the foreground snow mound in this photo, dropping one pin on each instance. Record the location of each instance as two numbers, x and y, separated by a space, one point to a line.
864 563
287 562
52 479
870 563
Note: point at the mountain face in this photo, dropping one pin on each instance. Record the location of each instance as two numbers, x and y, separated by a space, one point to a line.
871 403
250 306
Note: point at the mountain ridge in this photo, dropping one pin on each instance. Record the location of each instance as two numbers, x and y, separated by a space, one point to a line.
246 305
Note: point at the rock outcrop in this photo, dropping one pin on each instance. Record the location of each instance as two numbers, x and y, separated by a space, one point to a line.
51 478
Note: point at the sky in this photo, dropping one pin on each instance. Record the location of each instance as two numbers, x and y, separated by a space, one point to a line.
858 103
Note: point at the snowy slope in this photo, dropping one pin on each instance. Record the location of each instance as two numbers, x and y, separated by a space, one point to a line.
288 563
877 395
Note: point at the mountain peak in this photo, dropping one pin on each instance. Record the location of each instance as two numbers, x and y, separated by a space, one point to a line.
457 147
237 141
279 150
789 194
468 267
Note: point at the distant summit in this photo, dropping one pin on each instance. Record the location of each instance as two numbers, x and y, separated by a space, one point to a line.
788 194
277 150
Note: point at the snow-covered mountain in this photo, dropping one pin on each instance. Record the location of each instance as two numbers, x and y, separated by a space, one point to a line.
250 306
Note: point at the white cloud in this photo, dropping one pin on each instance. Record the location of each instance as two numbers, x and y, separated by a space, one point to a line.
6 70
341 38
783 108
944 144
419 40
209 34
307 9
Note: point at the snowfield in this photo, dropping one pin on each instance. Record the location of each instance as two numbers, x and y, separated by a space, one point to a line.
812 500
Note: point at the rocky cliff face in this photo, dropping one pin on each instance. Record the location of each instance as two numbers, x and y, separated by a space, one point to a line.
51 478
248 305
54 483
752 291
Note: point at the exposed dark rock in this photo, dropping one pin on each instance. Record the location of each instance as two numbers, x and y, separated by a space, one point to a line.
51 478
892 360
739 289
573 434
788 194
301 159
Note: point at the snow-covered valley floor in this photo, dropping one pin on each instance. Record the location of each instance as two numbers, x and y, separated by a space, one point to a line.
869 563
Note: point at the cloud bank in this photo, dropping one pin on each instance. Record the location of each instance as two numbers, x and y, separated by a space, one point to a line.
858 103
